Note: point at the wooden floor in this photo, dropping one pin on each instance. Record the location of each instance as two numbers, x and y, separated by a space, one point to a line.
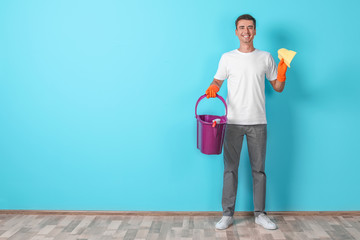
81 227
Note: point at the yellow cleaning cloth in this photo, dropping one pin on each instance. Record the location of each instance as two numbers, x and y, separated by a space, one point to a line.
287 55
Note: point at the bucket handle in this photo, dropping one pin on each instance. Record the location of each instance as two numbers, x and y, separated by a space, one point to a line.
204 96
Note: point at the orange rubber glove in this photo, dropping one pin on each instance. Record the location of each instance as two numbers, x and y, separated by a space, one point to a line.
211 91
281 77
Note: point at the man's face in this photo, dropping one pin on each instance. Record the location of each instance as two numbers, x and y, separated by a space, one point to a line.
245 31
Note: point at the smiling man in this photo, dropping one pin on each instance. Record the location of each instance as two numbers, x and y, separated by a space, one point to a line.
245 69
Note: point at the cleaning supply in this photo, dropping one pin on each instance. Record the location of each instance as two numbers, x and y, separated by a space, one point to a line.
281 76
215 121
210 130
287 55
211 91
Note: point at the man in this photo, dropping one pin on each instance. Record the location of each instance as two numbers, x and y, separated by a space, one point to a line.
245 70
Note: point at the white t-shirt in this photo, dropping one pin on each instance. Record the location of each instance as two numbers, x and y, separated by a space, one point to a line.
246 73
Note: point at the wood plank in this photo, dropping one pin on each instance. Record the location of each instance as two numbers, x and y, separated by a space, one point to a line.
71 227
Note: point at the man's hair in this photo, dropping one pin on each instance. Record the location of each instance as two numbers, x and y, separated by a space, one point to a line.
245 17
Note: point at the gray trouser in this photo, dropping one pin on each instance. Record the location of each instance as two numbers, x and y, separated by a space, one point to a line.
256 141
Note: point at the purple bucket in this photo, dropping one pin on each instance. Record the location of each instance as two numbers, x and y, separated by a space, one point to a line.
210 139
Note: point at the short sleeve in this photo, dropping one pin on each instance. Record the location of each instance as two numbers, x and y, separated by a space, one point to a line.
271 71
222 72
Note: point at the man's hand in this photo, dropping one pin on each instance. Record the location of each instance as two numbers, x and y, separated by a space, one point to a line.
211 91
281 77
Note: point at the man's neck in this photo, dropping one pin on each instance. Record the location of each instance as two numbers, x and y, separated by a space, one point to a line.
246 48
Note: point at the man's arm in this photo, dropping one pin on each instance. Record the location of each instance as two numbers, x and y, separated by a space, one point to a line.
277 85
217 82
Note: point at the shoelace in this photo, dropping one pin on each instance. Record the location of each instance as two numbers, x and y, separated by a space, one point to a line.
223 220
267 219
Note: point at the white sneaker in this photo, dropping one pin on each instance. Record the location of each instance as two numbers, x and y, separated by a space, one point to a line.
265 222
224 222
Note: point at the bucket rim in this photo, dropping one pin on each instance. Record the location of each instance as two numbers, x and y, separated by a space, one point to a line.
210 123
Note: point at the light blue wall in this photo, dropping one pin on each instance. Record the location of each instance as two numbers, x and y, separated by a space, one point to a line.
97 104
